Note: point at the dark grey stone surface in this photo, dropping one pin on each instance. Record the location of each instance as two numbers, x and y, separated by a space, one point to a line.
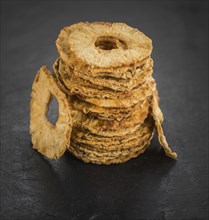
151 186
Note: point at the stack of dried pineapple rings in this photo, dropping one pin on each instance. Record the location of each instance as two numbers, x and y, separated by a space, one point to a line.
108 101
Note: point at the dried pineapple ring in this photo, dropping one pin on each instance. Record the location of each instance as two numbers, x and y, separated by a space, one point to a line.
103 44
50 140
158 119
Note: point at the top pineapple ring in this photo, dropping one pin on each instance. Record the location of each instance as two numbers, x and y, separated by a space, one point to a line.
102 44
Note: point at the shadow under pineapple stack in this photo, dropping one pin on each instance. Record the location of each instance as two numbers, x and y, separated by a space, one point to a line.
108 101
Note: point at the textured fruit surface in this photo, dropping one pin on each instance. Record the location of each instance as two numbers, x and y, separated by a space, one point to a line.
50 140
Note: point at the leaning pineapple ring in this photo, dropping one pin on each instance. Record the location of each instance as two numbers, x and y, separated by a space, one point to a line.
50 140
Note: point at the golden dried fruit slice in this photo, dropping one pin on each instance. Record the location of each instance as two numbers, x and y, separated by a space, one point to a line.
103 147
122 82
69 78
136 95
103 44
81 133
158 118
87 154
74 85
116 151
50 140
125 73
118 134
101 98
108 133
133 98
105 113
117 71
89 157
111 115
98 143
136 118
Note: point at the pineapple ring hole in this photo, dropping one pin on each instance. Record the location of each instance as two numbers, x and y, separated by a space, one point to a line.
53 110
109 43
